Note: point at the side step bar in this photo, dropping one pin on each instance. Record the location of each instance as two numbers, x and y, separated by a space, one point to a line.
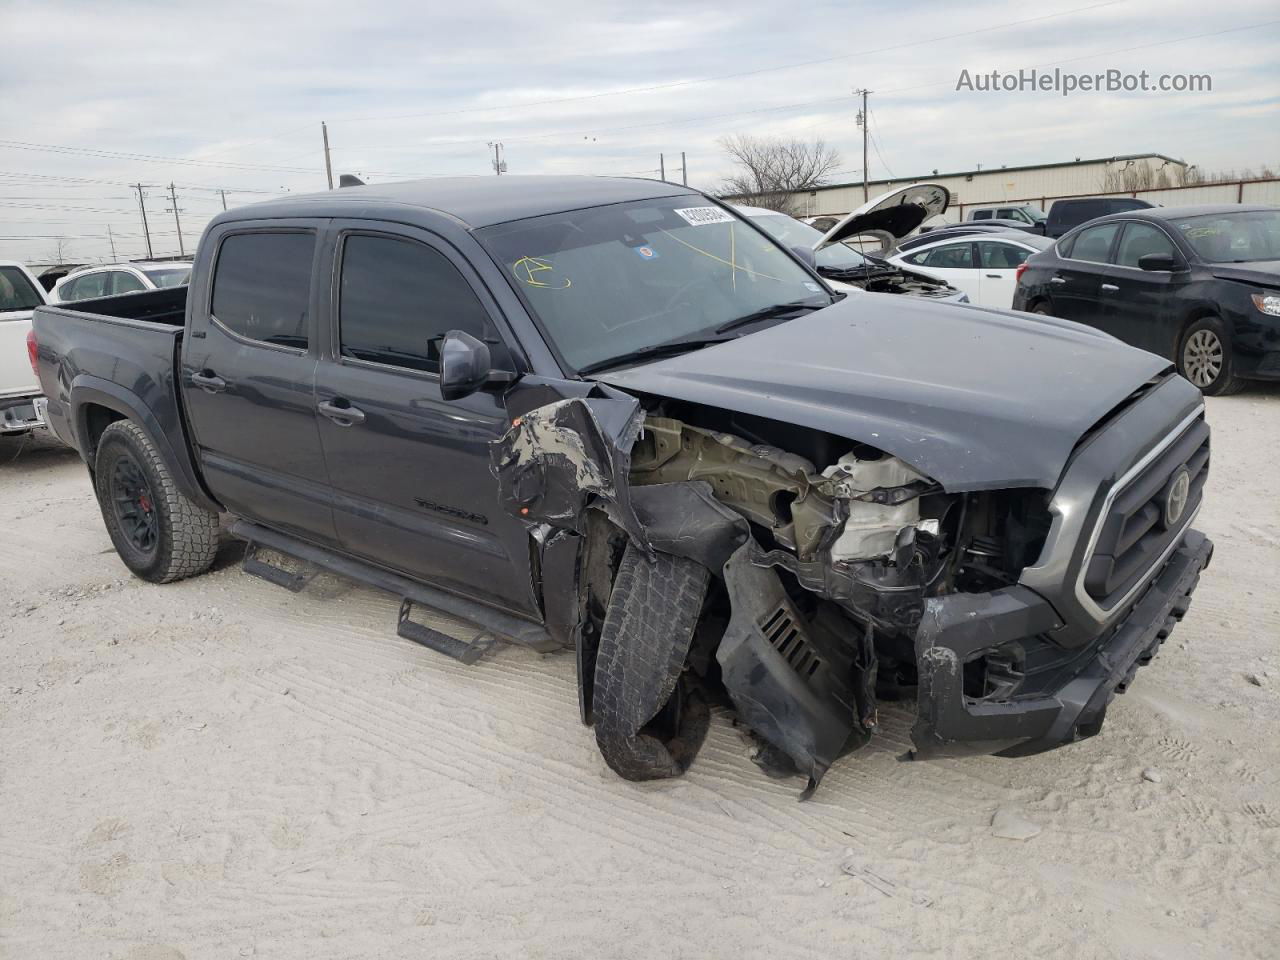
494 625
256 566
466 651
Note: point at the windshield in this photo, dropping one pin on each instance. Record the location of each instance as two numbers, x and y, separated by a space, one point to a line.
792 233
1035 213
16 292
607 281
168 276
1233 237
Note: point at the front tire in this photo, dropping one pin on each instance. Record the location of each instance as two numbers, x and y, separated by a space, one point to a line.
650 722
159 534
1204 358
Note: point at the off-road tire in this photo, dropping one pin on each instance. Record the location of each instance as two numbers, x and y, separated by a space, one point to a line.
186 535
1225 382
648 627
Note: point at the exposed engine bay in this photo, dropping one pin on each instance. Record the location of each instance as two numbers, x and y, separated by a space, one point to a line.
886 278
821 557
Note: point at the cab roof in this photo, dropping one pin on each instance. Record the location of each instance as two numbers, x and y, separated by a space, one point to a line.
474 201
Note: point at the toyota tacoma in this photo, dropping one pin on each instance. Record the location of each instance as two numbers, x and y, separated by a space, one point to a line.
613 416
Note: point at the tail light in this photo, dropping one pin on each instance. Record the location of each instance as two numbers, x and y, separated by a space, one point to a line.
32 352
1017 276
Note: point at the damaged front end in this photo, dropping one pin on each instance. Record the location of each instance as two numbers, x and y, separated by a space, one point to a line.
819 576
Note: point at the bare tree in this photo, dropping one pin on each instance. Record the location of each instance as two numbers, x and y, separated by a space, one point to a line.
771 171
60 251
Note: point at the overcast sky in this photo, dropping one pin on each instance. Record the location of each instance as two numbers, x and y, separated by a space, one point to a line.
230 94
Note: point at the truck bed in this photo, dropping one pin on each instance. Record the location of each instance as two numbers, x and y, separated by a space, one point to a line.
117 356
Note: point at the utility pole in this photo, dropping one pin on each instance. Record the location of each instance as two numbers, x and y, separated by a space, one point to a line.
173 196
224 198
328 166
684 170
499 164
662 167
112 241
864 122
146 232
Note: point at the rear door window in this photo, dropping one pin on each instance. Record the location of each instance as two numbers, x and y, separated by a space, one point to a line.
397 301
1094 243
86 287
262 286
124 282
1001 256
1140 239
955 256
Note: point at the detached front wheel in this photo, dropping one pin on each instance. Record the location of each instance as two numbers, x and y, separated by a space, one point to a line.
159 534
650 721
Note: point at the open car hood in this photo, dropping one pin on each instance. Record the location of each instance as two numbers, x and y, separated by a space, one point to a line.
977 399
891 216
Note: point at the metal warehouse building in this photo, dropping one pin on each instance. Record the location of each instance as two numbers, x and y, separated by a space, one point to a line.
1151 176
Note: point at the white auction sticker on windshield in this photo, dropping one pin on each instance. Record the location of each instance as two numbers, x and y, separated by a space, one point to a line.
701 216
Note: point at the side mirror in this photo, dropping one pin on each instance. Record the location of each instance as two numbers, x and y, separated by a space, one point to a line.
466 366
1157 261
806 255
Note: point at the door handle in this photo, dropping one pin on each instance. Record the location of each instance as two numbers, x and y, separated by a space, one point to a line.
343 416
1109 287
209 382
1057 280
994 276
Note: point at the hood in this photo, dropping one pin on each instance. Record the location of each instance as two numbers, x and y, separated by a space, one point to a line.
976 399
891 216
1263 272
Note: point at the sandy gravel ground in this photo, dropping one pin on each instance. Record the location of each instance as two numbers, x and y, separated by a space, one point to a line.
222 769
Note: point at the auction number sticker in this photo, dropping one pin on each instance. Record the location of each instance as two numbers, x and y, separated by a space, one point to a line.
701 216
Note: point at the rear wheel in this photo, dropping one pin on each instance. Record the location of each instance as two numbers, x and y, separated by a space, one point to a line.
1205 358
159 534
1042 308
650 721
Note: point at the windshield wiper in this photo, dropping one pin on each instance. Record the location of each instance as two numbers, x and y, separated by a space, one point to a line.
769 313
667 349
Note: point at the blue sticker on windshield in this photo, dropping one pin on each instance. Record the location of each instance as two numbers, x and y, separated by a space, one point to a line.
646 253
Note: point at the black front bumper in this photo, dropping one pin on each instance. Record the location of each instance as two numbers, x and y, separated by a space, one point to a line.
959 628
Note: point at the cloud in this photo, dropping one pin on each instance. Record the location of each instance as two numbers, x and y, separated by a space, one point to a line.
413 89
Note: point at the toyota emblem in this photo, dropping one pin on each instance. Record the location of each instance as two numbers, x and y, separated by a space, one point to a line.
1175 499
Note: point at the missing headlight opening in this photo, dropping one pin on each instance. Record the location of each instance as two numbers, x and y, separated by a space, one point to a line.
779 571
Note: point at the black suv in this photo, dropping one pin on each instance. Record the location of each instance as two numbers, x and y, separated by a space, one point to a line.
1200 285
1068 214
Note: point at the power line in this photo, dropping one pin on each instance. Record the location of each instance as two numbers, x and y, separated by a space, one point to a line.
875 143
8 177
156 158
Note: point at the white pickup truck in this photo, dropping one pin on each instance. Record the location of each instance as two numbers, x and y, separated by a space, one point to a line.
21 402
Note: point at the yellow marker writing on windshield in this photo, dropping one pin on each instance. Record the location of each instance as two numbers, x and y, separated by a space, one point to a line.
537 272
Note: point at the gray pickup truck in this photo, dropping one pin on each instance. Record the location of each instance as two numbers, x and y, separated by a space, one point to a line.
613 416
